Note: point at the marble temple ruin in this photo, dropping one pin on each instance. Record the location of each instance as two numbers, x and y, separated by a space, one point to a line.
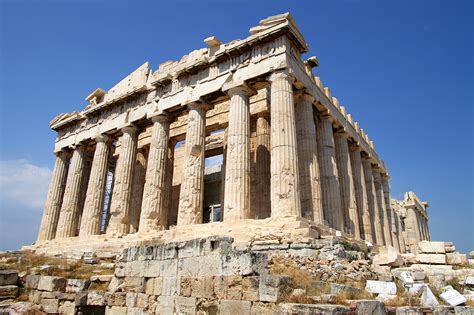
233 138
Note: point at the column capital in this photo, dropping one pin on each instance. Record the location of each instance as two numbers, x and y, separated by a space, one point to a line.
355 147
328 118
342 134
303 96
282 74
130 129
61 154
235 88
102 138
198 105
162 117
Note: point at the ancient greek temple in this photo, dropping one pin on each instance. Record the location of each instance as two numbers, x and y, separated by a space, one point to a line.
232 136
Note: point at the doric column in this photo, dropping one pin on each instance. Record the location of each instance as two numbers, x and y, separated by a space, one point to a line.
377 234
387 235
262 168
390 213
361 194
330 182
346 184
412 228
284 182
94 202
138 185
169 179
401 234
119 222
67 224
52 207
154 214
237 172
192 183
310 182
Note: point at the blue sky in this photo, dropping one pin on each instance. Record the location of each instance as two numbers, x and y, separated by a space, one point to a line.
403 69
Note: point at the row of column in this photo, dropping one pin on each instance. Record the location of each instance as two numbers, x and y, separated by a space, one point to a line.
314 173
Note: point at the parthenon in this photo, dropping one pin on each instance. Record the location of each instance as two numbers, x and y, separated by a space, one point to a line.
234 134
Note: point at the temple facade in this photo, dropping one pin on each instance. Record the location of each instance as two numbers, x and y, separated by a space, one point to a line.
231 132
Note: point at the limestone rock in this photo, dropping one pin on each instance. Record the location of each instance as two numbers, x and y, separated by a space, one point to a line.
369 307
76 285
8 291
431 258
8 277
452 297
50 284
272 287
428 247
381 287
456 259
388 256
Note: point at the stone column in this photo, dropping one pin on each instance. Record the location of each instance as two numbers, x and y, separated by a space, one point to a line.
346 184
192 185
154 214
237 172
310 182
284 182
377 234
330 182
262 168
169 179
413 231
70 207
401 234
391 224
138 185
361 194
94 202
119 222
52 208
387 235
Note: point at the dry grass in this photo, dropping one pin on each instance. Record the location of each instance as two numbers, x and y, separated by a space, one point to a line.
470 303
300 299
25 261
99 286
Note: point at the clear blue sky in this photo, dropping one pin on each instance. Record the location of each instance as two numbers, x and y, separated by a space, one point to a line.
404 69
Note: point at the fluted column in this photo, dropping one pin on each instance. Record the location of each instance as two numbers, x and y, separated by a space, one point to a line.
412 229
237 173
154 214
169 179
284 182
390 212
377 234
52 207
310 182
401 234
138 185
330 182
192 185
262 168
119 222
346 184
67 224
387 235
92 213
361 194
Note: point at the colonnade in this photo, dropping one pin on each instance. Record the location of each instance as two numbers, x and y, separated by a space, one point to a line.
316 171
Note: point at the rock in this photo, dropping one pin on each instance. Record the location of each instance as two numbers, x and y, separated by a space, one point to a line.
437 280
428 247
456 259
469 281
101 278
31 281
442 310
96 298
452 297
116 310
381 287
464 310
341 288
332 252
8 291
388 256
292 308
416 288
372 307
418 275
428 298
77 285
409 310
386 297
8 277
471 254
470 263
67 307
406 278
50 284
431 258
272 287
234 307
50 305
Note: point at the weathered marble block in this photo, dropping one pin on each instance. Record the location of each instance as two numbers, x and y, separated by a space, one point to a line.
381 287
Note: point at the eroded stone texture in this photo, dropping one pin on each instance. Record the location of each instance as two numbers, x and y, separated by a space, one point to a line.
377 234
284 182
92 213
67 223
346 184
330 182
52 208
154 214
191 194
386 228
137 189
310 182
237 173
119 223
361 194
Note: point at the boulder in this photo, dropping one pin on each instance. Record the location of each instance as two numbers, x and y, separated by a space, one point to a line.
464 310
381 287
31 281
428 298
8 277
469 281
271 288
77 285
292 308
428 247
388 256
456 259
8 291
369 307
452 297
50 284
431 258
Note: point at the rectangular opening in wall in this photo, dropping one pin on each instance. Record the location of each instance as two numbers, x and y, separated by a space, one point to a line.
212 188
